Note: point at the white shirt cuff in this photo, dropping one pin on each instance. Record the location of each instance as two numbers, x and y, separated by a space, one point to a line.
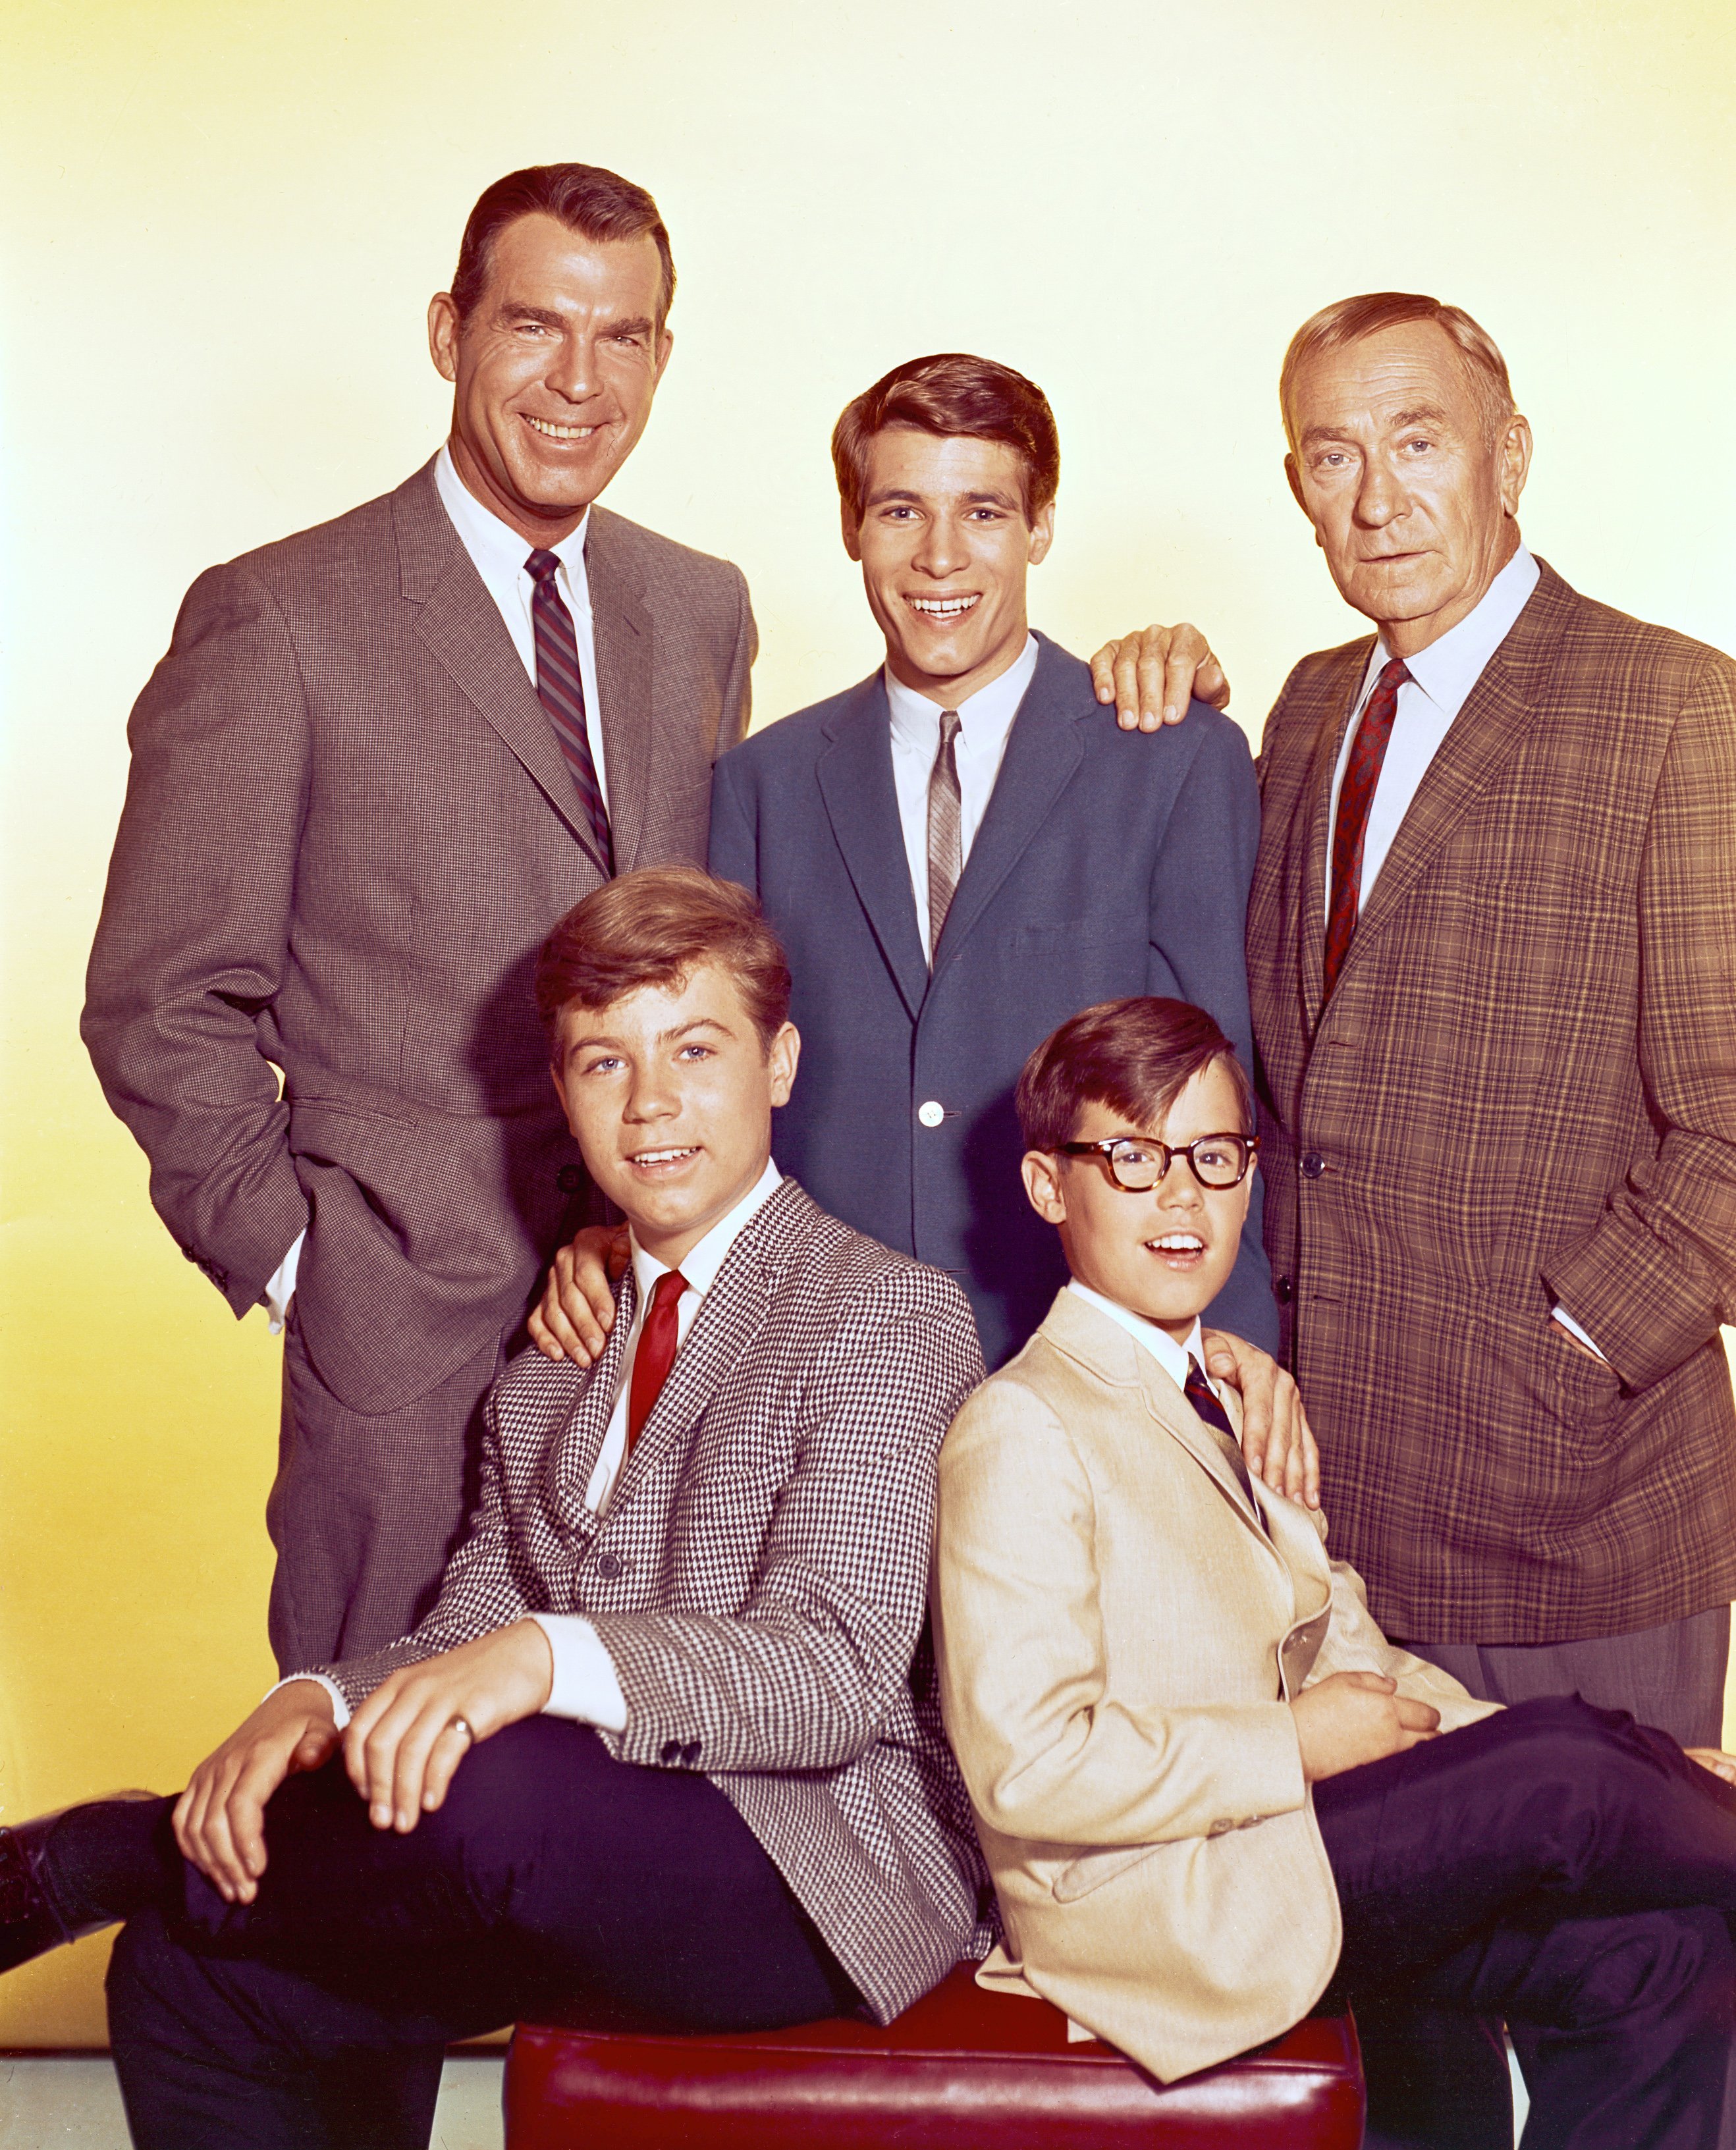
585 1686
340 1708
281 1288
1573 1328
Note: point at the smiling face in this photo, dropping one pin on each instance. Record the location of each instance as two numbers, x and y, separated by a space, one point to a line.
668 1093
553 371
1165 1254
944 546
1412 495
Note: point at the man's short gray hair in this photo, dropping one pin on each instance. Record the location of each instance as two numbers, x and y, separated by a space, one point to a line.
1349 320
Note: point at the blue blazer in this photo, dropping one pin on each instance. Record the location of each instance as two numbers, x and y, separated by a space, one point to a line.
1109 863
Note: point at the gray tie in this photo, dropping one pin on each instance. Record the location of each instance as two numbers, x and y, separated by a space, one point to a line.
945 856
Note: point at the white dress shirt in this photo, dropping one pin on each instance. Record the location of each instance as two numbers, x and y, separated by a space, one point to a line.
984 720
585 1686
1442 679
499 555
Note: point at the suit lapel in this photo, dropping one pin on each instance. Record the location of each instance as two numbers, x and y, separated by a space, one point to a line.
1173 1411
1043 749
1499 711
572 1453
458 621
856 782
621 627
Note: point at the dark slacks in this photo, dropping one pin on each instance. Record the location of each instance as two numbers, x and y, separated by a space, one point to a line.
1565 1868
554 1881
366 1508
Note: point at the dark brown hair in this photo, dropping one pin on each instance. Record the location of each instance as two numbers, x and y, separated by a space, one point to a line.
652 928
949 394
1349 320
1134 1055
597 204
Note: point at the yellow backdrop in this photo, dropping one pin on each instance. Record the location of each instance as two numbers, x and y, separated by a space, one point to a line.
226 221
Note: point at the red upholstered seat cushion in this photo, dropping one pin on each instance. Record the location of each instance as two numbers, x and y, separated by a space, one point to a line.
963 2070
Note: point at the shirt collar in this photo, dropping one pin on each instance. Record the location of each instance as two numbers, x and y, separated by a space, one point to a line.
983 717
498 550
1171 1356
1449 669
700 1263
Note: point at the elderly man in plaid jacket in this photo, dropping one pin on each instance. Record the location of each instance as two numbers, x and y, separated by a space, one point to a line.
667 1749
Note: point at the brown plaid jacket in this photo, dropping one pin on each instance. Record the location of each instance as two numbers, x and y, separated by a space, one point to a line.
1523 1091
759 1576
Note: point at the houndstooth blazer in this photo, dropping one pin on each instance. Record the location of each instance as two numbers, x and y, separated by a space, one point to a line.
1523 1092
759 1576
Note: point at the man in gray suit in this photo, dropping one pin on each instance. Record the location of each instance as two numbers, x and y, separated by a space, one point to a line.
668 1748
379 759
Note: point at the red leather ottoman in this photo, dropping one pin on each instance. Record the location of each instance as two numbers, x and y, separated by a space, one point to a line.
963 2070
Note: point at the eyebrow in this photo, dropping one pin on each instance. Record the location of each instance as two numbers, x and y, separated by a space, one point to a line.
521 310
991 497
664 1037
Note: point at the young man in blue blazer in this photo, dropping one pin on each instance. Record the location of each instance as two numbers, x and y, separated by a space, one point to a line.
964 849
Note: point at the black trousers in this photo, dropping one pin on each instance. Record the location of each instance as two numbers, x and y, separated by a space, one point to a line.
554 1881
1565 1868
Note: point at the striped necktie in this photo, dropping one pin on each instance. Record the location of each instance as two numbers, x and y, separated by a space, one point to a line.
561 686
1206 1407
945 848
1355 795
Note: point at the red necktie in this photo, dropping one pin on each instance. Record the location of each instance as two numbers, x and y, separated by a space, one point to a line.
1355 795
656 1353
560 685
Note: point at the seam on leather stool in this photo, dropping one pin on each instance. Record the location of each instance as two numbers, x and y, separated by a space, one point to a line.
963 2070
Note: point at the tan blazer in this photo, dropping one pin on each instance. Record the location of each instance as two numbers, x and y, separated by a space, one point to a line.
1522 1090
1117 1635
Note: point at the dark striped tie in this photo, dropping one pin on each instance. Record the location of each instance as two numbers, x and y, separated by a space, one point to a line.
1200 1393
1355 795
562 688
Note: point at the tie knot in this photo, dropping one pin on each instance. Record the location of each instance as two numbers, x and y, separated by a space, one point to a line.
668 1289
543 567
1393 676
949 726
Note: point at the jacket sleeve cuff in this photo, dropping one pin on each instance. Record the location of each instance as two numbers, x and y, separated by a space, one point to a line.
585 1685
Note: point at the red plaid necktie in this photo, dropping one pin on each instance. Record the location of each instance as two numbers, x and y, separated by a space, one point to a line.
1355 795
656 1353
562 688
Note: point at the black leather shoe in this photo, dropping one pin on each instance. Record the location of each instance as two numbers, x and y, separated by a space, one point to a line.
31 1922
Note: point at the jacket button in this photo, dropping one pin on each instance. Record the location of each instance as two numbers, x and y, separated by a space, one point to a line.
1312 1164
570 1178
930 1112
608 1565
1283 1291
690 1753
669 1753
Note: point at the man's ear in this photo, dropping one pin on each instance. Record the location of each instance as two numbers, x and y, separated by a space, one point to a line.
1294 477
1042 533
443 335
1515 461
665 344
851 524
1041 1175
781 1056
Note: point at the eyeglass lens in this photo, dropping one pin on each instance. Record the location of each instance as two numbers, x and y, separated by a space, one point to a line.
1218 1161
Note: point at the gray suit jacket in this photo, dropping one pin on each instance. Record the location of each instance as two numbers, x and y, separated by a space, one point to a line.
348 826
759 1576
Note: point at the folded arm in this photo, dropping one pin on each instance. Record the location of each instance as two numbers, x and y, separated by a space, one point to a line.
1048 1752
